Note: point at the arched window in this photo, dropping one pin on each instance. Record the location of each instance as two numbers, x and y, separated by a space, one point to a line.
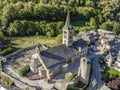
65 32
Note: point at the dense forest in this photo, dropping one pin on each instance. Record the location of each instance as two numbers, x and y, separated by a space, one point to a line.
46 17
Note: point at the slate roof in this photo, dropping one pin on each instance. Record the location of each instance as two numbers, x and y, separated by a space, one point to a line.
112 43
114 52
80 43
56 55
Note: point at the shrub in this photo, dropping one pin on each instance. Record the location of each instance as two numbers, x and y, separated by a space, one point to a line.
24 70
6 51
1 35
68 76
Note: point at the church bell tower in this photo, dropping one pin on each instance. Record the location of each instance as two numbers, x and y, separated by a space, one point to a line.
67 37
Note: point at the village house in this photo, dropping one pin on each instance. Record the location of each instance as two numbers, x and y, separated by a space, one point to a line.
107 40
107 45
117 63
107 34
113 59
90 37
109 59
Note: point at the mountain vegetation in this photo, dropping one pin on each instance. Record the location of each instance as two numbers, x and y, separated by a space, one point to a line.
46 17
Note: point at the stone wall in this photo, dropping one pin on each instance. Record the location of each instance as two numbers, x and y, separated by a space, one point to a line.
20 84
22 50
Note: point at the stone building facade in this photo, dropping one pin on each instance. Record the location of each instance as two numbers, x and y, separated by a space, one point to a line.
107 34
117 63
109 59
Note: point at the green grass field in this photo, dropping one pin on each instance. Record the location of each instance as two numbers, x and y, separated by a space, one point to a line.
23 42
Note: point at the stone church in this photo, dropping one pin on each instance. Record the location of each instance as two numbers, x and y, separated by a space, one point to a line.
50 62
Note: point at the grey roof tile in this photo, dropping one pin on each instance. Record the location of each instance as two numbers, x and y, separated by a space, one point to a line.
55 55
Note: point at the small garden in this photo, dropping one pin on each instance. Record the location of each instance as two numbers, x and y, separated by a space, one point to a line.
24 70
109 73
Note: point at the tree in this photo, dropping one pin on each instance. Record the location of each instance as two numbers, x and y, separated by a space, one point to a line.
1 36
116 28
89 3
14 28
68 76
92 23
108 25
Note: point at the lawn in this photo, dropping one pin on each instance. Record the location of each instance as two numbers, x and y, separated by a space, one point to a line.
23 42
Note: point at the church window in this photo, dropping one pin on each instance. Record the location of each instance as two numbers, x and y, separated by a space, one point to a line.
65 32
84 60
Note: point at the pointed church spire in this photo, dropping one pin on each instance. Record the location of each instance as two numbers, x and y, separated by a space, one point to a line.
67 32
67 23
